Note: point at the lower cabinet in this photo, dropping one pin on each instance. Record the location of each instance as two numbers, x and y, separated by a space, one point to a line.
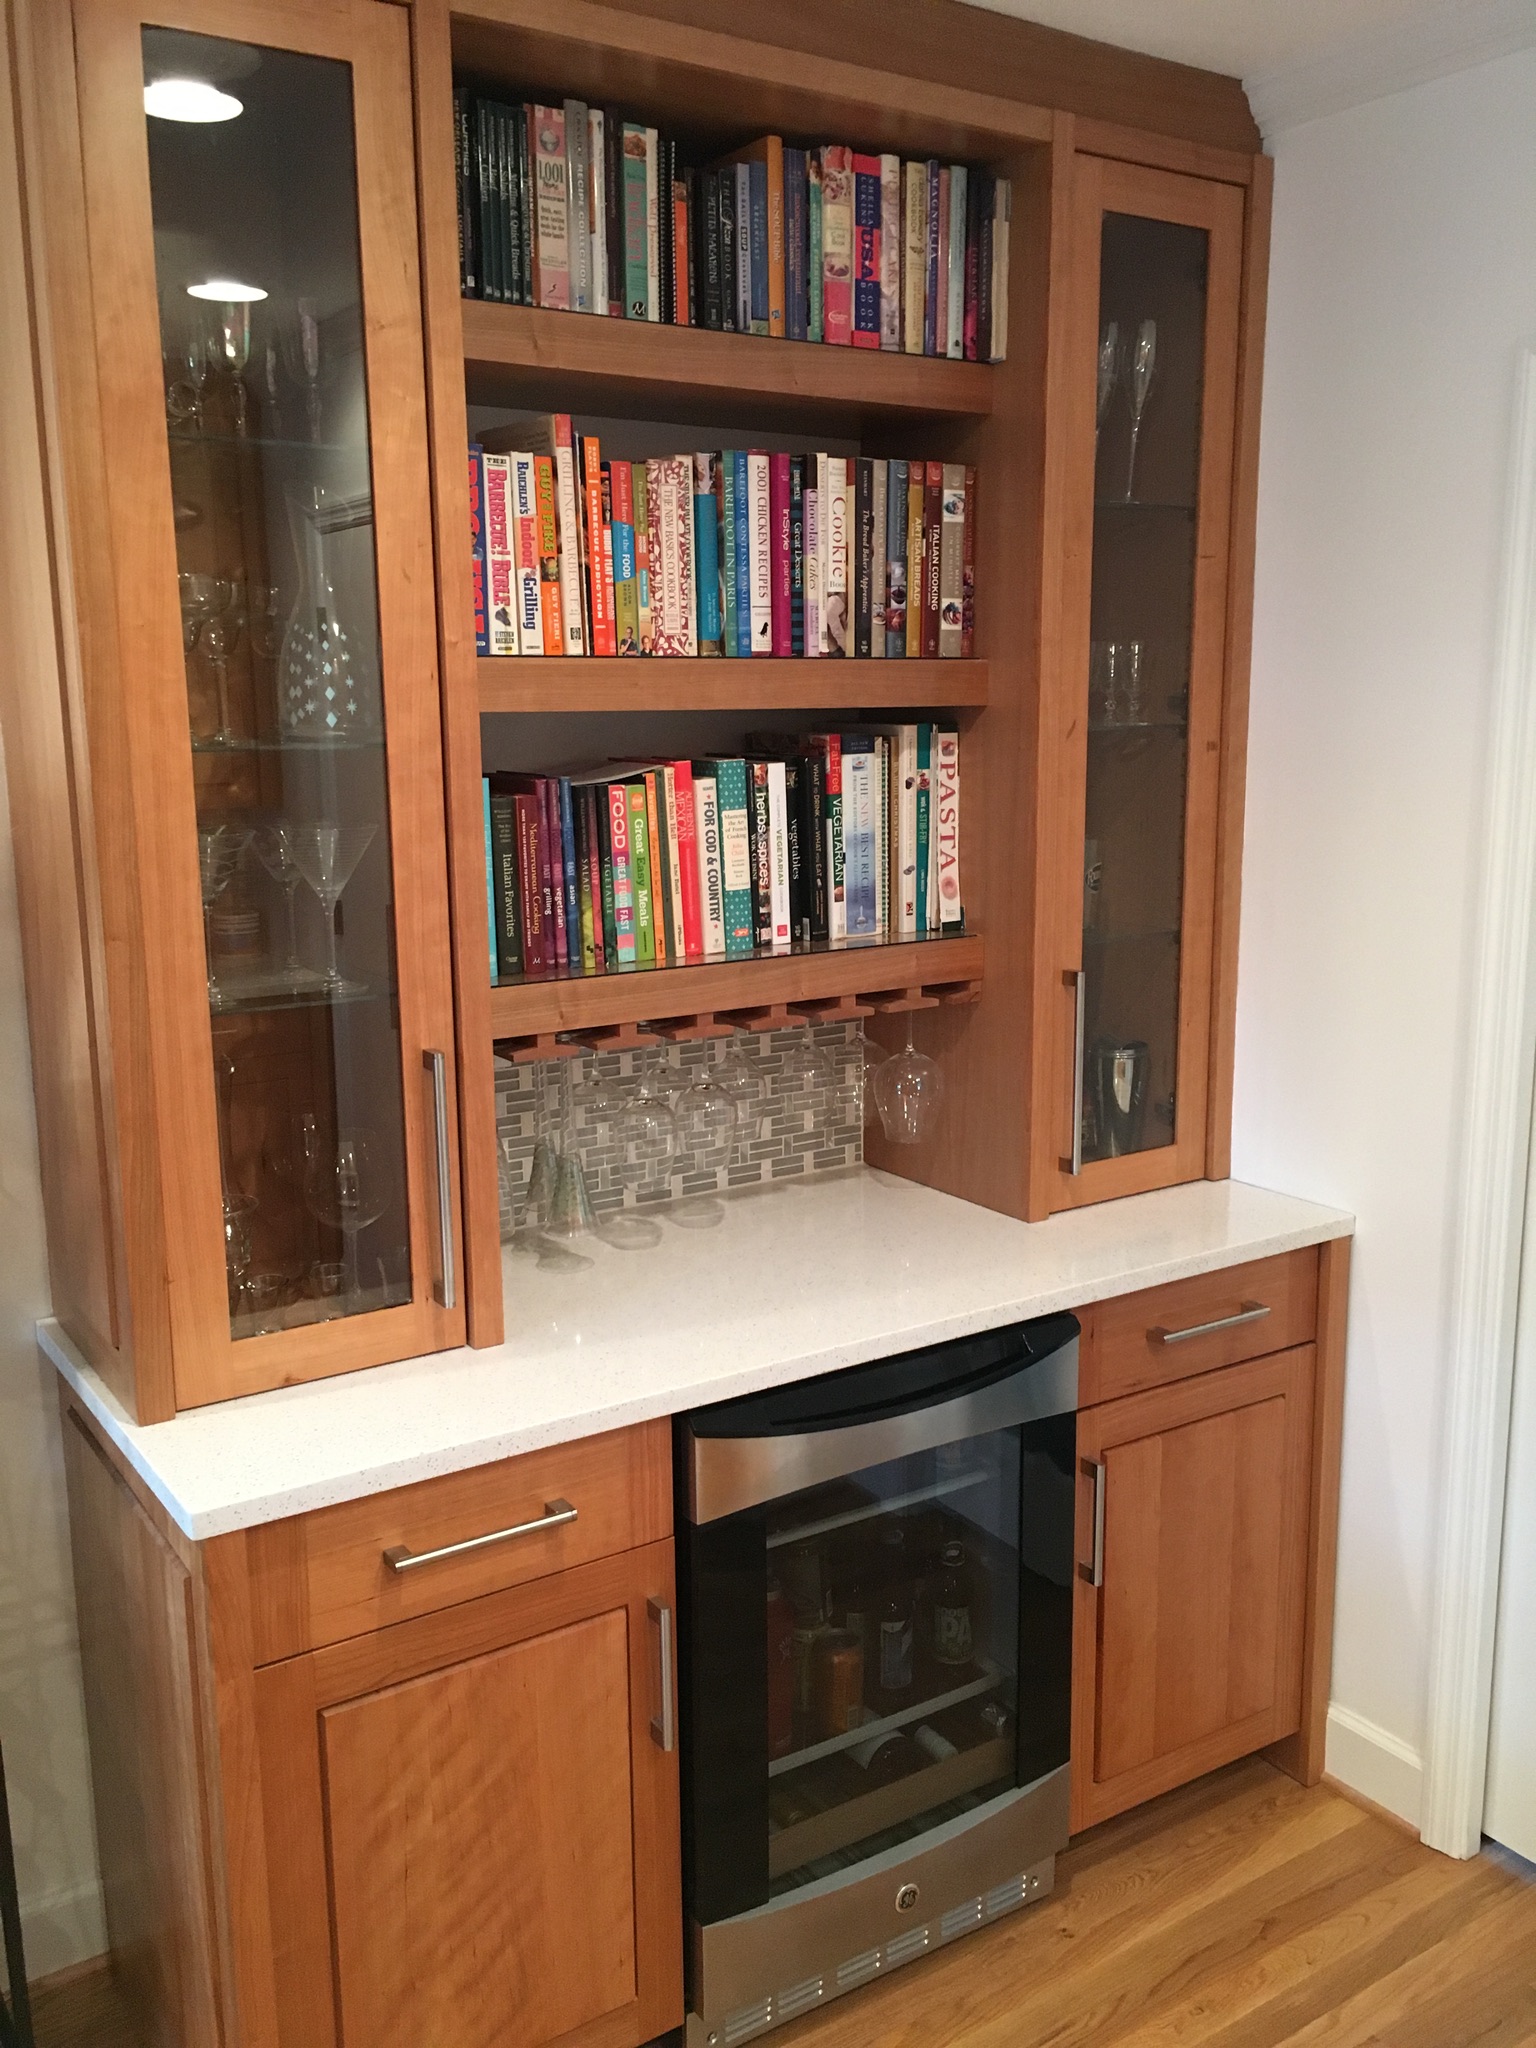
1192 1525
471 1821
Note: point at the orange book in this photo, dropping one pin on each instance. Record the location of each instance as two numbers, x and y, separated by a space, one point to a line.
599 551
684 314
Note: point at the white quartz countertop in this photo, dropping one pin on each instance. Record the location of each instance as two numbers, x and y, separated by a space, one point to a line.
795 1280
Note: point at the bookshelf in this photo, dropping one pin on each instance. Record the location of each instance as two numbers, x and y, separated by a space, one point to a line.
577 684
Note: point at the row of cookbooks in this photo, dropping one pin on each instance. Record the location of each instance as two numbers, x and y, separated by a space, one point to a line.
576 208
735 551
830 837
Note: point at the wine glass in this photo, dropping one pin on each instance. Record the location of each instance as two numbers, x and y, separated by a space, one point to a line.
1109 371
327 857
1143 365
349 1188
706 1137
221 636
229 351
184 389
274 849
853 1100
301 358
909 1091
741 1078
645 1129
219 848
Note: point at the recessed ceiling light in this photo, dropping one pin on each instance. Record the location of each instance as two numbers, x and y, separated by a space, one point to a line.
228 291
189 99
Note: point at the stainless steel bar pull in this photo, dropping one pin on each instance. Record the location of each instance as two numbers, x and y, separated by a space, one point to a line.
436 1064
664 1724
1079 1065
1093 1572
1250 1312
399 1559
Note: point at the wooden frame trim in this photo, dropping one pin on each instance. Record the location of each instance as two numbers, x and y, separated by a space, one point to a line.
1165 152
1258 207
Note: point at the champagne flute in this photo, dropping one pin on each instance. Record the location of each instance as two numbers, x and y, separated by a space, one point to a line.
274 849
1109 371
221 636
1143 366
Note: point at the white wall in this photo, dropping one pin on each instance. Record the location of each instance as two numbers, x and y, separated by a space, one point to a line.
1403 284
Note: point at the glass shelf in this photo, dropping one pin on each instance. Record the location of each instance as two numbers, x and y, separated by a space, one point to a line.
1165 935
1144 505
884 1724
1124 729
940 1489
284 989
296 743
266 444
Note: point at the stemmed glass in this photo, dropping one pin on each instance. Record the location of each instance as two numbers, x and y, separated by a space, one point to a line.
349 1189
221 636
274 849
1109 371
1143 365
229 350
741 1078
853 1101
909 1090
301 357
706 1128
203 598
327 857
219 848
570 1210
184 390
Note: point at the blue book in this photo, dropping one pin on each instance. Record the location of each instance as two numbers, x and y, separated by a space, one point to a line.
490 873
797 307
861 801
572 879
477 547
924 820
866 267
706 565
743 553
728 548
735 855
759 203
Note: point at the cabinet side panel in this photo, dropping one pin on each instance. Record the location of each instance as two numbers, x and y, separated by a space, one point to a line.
135 1599
44 802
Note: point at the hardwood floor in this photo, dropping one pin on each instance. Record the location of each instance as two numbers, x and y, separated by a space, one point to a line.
1242 1912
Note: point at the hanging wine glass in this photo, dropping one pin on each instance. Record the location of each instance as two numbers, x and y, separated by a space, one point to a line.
327 857
909 1091
323 694
1109 372
644 1131
803 1064
274 849
219 848
739 1074
853 1101
349 1188
706 1138
1143 366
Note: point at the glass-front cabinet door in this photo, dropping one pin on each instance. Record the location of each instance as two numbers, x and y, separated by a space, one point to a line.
259 353
1153 376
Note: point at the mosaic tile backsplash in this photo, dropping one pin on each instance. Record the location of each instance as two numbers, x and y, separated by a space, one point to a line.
803 1118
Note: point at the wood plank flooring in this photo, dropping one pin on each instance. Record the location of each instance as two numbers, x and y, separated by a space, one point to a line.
1242 1912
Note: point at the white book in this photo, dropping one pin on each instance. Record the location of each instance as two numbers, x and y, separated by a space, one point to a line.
823 523
577 203
914 254
706 814
891 252
525 555
500 576
834 589
778 856
879 494
811 573
597 207
944 829
652 225
760 551
883 836
1000 217
903 829
955 291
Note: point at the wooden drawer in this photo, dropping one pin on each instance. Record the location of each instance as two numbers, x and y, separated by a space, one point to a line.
322 1577
1164 1334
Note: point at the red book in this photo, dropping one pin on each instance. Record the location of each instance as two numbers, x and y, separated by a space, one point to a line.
837 242
687 851
866 252
554 841
527 808
599 551
477 553
778 540
968 571
933 514
684 315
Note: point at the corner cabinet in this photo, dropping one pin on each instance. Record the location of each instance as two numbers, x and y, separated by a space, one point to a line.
262 773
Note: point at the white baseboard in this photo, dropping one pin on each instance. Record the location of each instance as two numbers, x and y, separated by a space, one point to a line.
1378 1765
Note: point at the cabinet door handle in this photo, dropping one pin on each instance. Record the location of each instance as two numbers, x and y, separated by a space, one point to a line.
1093 1572
436 1064
1079 1064
399 1559
1250 1312
664 1724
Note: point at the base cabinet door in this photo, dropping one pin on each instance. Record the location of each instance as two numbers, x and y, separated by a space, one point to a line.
1190 1604
472 1823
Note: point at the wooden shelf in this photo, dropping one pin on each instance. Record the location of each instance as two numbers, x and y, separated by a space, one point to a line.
567 683
763 991
522 356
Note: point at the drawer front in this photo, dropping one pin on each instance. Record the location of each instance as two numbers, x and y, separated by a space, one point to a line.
1193 1326
343 1571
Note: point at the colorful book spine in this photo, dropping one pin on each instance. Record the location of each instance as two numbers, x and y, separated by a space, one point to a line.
706 542
525 540
779 932
652 225
662 811
744 241
728 550
735 857
933 514
578 199
742 493
834 589
797 554
760 548
916 559
639 485
968 570
837 243
682 816
550 239
859 805
760 849
724 179
812 570
599 606
589 888
778 282
796 245
866 252
597 207
922 828
568 521
636 289
941 312
623 885
645 852
670 490
530 897
781 638
1001 210
815 275
955 296
548 541
837 874
931 262
891 252
500 572
947 828
896 561
914 263
477 556
570 874
505 904
952 559
552 869
626 588
711 874
863 562
975 188
490 871
879 489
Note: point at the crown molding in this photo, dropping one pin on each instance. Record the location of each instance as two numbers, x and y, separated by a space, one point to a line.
1453 36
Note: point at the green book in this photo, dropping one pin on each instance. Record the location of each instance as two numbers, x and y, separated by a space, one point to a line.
924 821
661 863
735 856
815 329
728 544
640 868
637 267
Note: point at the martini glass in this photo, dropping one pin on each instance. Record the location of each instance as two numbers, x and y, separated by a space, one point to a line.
219 848
909 1090
327 858
274 849
349 1189
1143 366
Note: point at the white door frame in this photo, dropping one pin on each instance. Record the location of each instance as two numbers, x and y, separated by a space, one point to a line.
1495 1164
